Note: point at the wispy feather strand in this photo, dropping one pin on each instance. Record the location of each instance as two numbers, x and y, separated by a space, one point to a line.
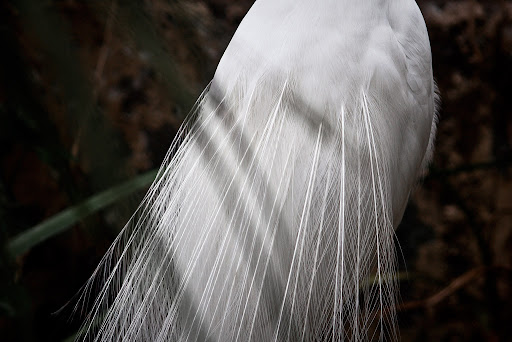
273 230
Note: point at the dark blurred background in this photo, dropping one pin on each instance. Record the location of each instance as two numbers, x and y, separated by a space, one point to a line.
92 93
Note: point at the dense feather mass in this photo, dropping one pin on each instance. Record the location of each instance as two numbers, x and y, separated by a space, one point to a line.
273 216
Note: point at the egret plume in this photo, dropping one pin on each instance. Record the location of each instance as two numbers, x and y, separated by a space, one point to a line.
272 217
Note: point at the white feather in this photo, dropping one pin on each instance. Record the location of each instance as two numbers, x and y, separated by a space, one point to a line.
273 216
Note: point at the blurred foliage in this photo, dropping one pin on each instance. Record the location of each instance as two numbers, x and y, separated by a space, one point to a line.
92 92
59 145
62 221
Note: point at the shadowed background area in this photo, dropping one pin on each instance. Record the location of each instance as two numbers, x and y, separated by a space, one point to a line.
92 93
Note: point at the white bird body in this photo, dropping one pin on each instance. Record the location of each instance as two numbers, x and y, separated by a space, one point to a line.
278 207
333 50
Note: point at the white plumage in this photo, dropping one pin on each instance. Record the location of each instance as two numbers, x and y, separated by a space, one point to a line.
273 216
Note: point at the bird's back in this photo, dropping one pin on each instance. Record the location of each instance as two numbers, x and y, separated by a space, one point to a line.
274 219
331 53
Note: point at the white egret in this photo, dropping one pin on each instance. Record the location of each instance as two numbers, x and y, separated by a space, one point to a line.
273 216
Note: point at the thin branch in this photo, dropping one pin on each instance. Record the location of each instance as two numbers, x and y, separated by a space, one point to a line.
107 38
458 283
487 165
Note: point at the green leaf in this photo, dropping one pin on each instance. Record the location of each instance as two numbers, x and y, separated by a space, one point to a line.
65 219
